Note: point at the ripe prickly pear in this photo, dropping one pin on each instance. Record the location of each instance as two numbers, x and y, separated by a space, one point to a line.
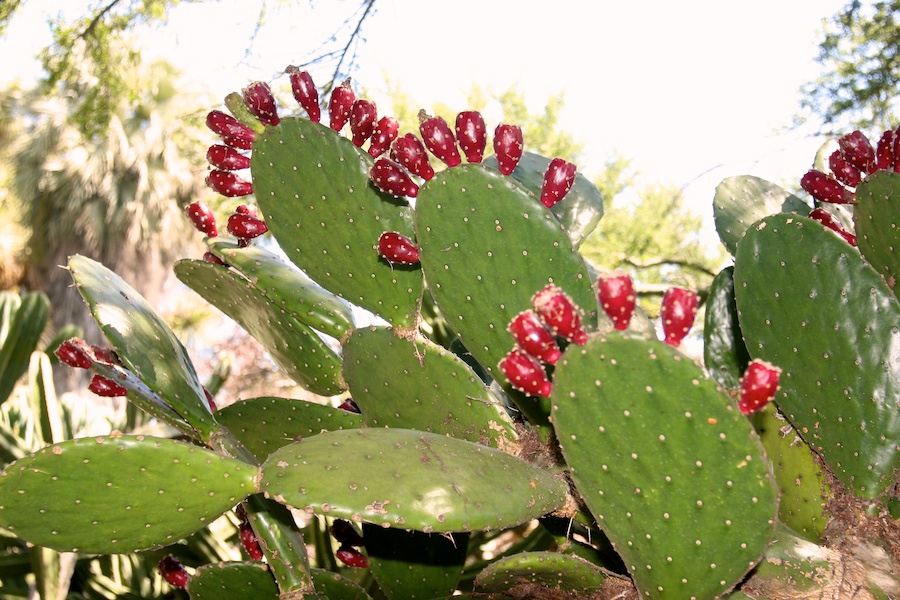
842 169
884 151
212 258
559 314
227 158
390 177
209 400
617 298
828 220
409 151
202 218
525 373
346 534
439 139
106 387
73 353
362 121
471 133
558 180
397 248
826 189
305 92
386 131
532 337
233 132
105 356
857 149
259 99
173 572
246 226
249 541
677 312
508 147
352 557
228 184
339 105
758 386
247 209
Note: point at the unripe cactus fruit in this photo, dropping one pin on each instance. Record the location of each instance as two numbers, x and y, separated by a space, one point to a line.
227 158
202 218
173 572
352 557
471 133
105 387
339 105
525 373
397 248
842 169
409 151
508 147
386 131
532 337
246 226
72 353
857 149
830 221
758 386
249 541
617 298
346 534
228 184
305 93
259 99
233 132
825 189
362 121
558 180
559 314
390 177
677 312
439 139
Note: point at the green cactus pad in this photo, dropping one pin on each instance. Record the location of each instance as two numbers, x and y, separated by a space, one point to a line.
546 569
238 108
724 353
673 473
740 201
287 287
412 564
415 384
265 424
811 305
877 221
314 190
410 480
294 347
487 245
579 212
254 581
112 495
142 339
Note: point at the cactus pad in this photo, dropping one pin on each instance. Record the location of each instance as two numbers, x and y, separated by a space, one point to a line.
118 494
410 480
877 221
724 352
546 569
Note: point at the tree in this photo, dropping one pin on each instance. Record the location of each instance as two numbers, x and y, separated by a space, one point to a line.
860 57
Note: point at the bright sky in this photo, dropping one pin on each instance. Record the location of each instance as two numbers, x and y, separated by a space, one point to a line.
692 91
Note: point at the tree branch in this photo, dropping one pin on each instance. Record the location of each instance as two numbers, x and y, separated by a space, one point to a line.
661 261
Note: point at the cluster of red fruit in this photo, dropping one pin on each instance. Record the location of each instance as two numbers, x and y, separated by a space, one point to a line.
77 353
244 224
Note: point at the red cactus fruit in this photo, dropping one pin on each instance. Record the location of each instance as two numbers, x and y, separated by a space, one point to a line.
352 557
391 178
103 386
386 131
346 534
228 184
249 541
558 180
247 209
397 248
212 258
758 386
471 133
202 218
350 406
246 226
410 152
362 121
857 149
884 151
305 92
259 99
678 311
508 147
535 339
559 314
842 169
616 294
525 373
233 132
439 139
105 356
173 572
339 105
227 158
830 221
826 189
209 400
73 352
